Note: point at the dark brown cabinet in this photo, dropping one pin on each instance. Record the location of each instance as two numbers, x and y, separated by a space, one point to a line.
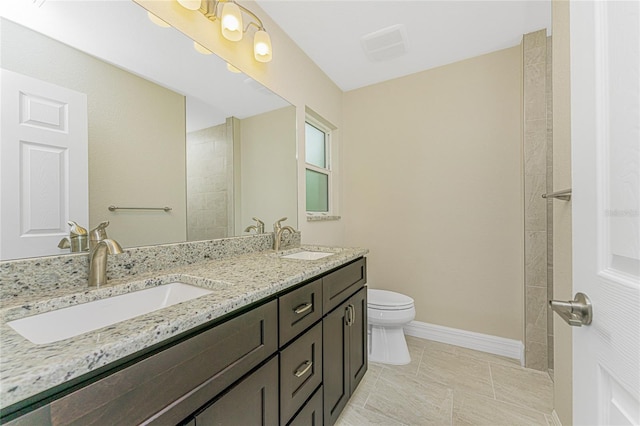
253 401
293 360
345 353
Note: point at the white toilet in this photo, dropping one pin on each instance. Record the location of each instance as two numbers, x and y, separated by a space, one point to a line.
387 313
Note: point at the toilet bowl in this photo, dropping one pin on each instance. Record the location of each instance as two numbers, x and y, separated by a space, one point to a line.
387 313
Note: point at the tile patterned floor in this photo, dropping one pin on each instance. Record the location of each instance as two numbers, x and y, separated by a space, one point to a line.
450 385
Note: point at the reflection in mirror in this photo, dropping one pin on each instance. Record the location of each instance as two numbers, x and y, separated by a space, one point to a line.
165 126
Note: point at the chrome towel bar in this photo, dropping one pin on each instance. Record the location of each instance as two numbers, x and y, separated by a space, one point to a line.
114 208
564 195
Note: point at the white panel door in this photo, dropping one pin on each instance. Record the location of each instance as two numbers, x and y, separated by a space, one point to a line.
43 165
605 133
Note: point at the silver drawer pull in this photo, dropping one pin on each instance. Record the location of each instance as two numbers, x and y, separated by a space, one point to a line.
302 370
303 308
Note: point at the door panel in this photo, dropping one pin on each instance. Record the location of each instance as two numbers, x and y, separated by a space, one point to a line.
43 165
605 106
335 346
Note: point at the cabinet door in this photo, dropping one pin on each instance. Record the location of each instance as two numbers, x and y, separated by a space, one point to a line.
253 401
335 332
311 413
300 371
358 339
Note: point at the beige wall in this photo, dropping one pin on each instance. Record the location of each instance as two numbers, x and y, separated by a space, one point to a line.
267 190
291 74
432 173
562 276
140 128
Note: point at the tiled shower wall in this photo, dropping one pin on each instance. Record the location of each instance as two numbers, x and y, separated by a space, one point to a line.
210 182
537 181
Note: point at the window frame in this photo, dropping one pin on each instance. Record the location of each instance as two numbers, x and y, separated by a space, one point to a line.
328 170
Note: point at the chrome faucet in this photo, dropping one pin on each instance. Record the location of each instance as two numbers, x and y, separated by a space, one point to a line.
278 231
100 247
258 227
77 239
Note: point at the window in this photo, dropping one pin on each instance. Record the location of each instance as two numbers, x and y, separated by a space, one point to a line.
318 168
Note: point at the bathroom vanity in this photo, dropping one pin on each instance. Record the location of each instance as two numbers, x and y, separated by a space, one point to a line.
278 341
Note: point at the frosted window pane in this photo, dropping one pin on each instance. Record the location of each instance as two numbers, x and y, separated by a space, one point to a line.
317 192
315 146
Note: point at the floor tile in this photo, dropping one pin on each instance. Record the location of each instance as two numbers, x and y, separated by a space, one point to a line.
477 410
358 416
456 372
522 386
445 385
410 400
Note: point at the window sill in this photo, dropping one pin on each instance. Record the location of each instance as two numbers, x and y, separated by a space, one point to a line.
318 218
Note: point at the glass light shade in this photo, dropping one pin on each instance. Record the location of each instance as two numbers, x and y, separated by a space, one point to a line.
201 49
159 22
231 22
190 4
233 69
262 46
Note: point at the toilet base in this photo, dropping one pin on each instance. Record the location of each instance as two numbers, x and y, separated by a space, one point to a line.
387 345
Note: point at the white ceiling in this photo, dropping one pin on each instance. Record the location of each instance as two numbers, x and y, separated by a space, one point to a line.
439 32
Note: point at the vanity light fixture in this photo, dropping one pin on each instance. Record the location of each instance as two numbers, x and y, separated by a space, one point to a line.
201 49
190 4
230 15
233 69
159 22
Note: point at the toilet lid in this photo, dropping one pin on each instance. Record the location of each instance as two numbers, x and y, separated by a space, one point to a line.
389 300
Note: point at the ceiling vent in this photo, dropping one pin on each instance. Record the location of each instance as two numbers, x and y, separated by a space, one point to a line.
385 44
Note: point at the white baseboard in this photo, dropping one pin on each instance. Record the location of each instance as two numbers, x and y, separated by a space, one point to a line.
555 418
467 339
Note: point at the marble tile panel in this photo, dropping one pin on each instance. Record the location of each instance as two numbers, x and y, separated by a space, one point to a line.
535 39
523 387
477 410
535 207
535 334
535 55
411 400
536 307
535 355
535 147
536 258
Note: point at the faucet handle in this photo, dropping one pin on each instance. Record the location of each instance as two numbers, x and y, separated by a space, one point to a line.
99 233
259 225
76 229
277 225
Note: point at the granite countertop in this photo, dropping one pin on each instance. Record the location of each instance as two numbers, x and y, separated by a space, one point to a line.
27 369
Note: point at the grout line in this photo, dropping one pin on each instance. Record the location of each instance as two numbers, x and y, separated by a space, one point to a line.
493 387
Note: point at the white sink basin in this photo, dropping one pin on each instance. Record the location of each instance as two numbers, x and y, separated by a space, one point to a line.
75 320
307 255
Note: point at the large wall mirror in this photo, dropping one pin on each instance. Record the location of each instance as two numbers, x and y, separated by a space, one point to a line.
165 126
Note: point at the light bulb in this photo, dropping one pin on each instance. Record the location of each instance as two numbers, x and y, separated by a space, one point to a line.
231 22
159 22
201 49
190 4
262 46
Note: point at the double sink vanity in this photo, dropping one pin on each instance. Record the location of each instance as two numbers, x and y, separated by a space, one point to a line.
260 337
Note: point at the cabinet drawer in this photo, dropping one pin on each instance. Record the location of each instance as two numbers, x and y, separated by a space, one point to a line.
300 371
340 284
299 309
311 413
253 401
172 384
